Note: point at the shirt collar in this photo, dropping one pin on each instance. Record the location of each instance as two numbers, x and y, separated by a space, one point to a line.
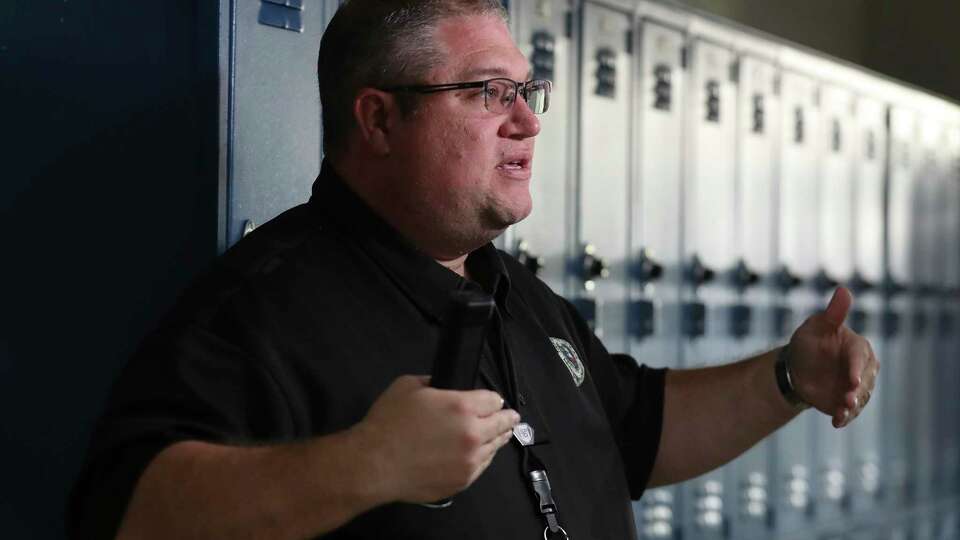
421 278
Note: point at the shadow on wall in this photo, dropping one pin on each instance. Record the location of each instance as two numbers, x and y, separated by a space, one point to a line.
108 203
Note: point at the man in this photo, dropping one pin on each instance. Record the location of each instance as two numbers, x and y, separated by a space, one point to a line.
282 397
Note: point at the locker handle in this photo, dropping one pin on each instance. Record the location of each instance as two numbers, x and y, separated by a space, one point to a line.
647 269
785 279
593 266
892 287
859 284
743 277
531 261
823 282
697 273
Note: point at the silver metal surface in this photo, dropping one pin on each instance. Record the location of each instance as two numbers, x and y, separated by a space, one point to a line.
605 107
273 118
541 31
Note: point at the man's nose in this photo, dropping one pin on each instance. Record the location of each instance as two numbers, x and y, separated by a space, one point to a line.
520 122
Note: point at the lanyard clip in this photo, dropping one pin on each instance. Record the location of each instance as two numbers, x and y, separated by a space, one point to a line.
541 486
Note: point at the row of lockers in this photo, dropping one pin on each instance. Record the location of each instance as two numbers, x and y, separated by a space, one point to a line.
698 190
717 185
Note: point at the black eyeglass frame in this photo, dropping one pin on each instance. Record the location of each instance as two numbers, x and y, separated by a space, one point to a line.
520 88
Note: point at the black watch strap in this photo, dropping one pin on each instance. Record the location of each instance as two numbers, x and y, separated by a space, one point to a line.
785 381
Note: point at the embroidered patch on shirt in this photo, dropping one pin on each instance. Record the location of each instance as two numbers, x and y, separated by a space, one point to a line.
570 359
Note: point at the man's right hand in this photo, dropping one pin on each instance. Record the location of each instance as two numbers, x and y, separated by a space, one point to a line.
430 444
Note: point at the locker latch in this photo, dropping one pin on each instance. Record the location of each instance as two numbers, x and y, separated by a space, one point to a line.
642 318
858 320
782 321
741 317
587 307
694 319
890 323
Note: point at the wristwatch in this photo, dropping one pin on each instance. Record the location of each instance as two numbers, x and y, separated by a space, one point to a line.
785 381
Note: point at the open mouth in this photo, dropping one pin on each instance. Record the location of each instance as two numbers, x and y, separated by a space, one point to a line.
514 165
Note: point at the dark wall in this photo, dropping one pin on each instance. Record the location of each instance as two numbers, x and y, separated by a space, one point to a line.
838 27
912 40
917 42
108 203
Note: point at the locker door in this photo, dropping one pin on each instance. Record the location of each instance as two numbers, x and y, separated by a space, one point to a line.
757 137
951 356
836 265
544 239
797 231
605 80
708 294
864 467
655 221
946 447
928 266
898 312
273 112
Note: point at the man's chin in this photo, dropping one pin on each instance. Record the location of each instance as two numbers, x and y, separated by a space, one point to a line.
500 219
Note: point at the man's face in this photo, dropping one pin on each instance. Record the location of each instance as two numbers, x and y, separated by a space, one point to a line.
461 165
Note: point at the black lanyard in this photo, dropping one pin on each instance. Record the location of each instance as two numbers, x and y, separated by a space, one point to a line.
532 468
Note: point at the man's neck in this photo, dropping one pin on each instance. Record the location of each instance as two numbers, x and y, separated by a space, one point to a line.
457 265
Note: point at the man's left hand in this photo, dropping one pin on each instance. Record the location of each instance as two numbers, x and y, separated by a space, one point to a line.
832 367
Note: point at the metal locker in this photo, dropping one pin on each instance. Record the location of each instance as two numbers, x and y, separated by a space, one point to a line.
898 309
543 31
869 153
272 112
756 173
926 259
655 266
835 252
951 307
946 445
797 264
708 293
604 171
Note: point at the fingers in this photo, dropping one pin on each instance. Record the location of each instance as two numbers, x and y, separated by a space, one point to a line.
480 403
838 307
498 424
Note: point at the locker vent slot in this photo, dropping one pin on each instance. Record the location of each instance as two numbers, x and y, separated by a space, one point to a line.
798 125
606 73
282 14
713 101
662 87
544 55
759 119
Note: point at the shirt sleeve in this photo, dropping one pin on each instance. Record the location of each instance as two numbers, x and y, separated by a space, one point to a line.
632 396
186 382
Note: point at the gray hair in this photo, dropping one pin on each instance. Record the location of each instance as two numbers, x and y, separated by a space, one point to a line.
381 43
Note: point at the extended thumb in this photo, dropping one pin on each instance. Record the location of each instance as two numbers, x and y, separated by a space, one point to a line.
838 307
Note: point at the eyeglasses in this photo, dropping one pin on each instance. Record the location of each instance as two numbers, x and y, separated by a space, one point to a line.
498 94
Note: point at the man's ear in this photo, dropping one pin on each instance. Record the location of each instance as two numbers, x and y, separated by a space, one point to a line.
374 111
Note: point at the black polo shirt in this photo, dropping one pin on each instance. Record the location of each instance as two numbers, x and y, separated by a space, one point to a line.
299 328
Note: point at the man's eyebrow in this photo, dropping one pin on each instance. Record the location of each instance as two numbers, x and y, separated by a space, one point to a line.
489 73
